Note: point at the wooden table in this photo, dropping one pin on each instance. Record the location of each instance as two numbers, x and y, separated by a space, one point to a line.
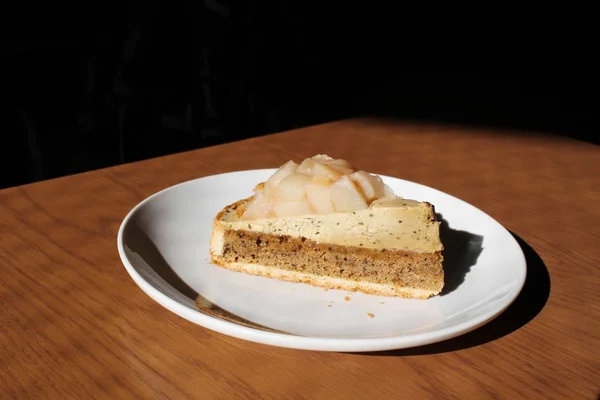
73 324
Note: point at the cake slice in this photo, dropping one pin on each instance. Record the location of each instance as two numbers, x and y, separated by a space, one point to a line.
325 223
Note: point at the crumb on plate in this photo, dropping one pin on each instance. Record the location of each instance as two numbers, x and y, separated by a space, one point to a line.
371 315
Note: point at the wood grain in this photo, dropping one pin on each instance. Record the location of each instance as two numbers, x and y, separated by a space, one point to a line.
74 325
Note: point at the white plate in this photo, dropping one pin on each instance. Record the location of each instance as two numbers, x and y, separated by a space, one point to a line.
163 243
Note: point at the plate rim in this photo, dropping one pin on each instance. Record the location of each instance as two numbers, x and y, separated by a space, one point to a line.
307 342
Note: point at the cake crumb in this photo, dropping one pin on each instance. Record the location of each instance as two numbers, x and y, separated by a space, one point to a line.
328 305
382 302
347 298
371 315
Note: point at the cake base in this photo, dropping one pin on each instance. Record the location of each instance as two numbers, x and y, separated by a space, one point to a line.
328 282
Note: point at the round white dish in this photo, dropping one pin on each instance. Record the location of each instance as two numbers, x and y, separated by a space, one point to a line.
164 245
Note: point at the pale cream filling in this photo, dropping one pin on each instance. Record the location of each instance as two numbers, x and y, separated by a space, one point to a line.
402 228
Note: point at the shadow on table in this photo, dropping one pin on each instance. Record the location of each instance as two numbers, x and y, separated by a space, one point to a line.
526 306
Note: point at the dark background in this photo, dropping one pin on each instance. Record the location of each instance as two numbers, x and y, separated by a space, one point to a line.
163 77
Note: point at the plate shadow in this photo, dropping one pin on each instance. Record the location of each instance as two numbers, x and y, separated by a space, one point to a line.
524 309
461 251
138 241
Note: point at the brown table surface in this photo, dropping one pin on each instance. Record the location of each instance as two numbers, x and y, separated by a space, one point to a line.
73 323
